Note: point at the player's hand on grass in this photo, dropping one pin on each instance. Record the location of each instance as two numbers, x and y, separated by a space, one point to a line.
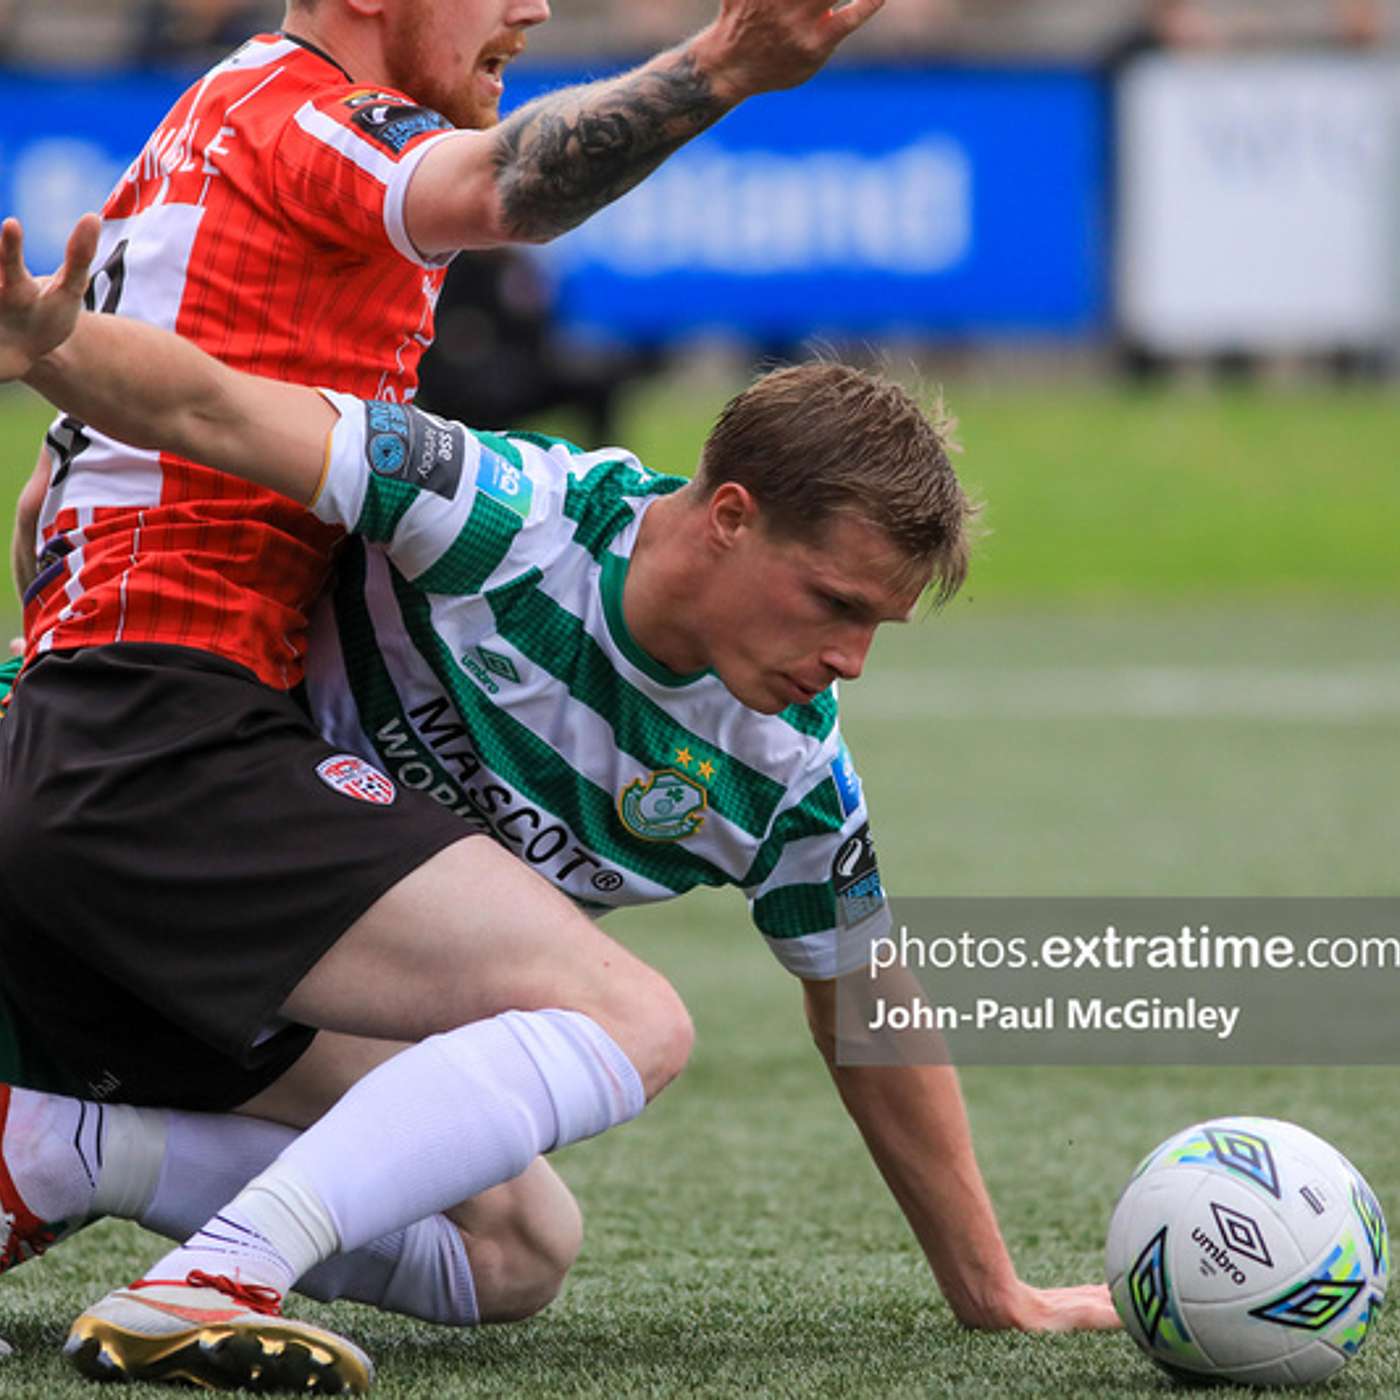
762 45
37 314
1083 1308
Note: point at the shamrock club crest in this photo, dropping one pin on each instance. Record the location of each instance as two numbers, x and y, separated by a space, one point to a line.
664 806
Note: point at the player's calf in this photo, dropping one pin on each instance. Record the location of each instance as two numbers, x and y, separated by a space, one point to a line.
522 1239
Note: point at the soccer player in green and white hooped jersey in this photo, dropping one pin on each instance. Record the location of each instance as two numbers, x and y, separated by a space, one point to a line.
483 656
662 656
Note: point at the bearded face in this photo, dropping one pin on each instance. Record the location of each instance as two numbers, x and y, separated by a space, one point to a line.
451 55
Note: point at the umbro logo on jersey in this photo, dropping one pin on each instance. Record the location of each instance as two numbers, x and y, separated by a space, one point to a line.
498 665
351 776
486 667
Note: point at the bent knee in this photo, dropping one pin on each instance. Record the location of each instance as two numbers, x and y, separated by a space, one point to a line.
676 1039
659 1034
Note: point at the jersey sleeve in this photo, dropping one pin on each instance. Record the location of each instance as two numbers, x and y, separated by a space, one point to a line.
817 896
344 162
456 511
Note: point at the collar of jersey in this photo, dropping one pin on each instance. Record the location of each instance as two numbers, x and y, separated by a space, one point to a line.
311 48
614 576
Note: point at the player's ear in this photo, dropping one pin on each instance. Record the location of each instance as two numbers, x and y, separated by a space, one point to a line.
730 511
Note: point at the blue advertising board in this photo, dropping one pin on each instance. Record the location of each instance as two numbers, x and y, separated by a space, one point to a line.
930 203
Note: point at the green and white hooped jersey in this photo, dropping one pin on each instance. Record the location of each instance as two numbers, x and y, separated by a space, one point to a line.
481 656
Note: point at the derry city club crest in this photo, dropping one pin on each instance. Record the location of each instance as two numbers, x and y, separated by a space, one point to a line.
665 806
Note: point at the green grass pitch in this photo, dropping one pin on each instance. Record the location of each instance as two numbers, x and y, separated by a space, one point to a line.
1239 554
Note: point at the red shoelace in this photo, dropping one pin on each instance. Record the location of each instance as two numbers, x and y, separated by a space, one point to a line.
256 1297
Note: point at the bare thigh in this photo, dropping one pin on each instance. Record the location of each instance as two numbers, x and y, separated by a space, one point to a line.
474 932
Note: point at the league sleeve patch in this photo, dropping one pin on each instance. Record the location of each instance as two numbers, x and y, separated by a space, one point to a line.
503 481
843 772
406 444
391 123
855 879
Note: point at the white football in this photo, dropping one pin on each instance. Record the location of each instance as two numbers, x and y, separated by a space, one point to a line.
1248 1250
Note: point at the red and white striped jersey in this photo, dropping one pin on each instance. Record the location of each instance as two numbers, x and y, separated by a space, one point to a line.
264 220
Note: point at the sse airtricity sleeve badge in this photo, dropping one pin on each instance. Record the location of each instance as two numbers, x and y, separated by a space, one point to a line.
664 806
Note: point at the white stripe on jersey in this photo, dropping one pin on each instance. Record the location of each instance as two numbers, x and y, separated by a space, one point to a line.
121 476
806 860
569 727
350 144
72 587
418 535
826 955
258 55
341 495
159 242
394 175
396 200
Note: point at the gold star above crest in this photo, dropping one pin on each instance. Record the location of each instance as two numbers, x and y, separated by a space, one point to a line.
706 770
684 757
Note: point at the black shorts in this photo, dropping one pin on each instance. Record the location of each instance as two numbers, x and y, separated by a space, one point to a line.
178 848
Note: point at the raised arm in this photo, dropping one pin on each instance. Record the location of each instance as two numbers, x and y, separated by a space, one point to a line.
567 154
148 387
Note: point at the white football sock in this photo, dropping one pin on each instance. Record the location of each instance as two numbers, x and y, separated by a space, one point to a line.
421 1271
208 1158
73 1160
440 1122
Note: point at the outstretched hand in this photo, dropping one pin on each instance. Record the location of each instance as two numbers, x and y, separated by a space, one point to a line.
762 45
37 314
1083 1307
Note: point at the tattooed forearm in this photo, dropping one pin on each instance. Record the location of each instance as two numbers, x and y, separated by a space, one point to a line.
566 155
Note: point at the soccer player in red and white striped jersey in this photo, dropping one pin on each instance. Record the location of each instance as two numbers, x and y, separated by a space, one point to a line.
266 221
